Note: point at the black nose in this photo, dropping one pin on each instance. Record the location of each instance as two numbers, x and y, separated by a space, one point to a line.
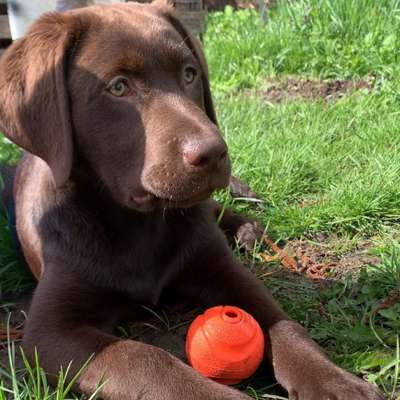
205 153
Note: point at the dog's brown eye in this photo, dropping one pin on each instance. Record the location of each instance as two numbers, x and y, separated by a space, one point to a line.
189 74
119 86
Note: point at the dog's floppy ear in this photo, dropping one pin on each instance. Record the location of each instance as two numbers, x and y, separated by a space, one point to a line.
195 46
34 111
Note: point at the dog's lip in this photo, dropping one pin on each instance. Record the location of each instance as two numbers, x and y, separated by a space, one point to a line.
185 202
188 202
144 198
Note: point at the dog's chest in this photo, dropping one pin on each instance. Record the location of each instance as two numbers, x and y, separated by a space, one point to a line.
145 259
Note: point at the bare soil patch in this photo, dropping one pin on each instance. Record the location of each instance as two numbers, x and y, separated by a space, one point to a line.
323 255
293 88
320 259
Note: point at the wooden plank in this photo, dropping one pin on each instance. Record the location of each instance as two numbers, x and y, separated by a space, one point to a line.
194 20
4 43
4 27
3 8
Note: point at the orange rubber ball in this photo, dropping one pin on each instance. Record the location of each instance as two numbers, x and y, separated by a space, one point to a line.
225 344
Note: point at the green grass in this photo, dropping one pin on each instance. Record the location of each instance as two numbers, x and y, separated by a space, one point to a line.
341 38
30 381
346 319
319 166
9 153
14 277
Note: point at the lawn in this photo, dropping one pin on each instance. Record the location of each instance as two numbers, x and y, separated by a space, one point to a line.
308 101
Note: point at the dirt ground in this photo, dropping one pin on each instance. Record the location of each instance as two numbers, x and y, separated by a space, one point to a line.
320 252
292 89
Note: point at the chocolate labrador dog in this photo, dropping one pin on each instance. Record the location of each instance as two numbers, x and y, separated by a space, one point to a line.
113 107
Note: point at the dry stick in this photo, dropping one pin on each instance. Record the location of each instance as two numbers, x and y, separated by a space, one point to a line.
389 301
10 333
286 260
300 263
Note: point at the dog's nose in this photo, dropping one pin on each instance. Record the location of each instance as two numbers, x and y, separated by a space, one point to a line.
205 153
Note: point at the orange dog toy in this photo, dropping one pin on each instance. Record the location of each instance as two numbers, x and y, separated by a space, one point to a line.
225 344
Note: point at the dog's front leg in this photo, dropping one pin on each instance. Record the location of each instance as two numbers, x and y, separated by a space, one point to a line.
298 363
72 322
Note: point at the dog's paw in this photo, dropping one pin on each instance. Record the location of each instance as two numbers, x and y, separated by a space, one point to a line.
339 386
239 188
249 234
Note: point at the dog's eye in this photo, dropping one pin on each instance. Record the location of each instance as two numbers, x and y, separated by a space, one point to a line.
119 86
189 74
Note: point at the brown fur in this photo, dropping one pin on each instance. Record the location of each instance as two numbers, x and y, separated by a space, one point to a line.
113 211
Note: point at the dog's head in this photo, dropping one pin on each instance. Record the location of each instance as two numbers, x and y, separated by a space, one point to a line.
125 89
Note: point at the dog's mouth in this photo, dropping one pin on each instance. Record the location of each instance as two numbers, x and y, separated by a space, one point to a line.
147 200
157 190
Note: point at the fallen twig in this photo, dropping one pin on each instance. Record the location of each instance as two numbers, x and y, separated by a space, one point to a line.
9 333
284 258
301 263
391 300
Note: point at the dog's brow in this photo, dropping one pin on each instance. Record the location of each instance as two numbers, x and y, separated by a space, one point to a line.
135 64
176 51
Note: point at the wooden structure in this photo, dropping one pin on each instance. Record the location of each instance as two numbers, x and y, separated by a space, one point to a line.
5 34
191 12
